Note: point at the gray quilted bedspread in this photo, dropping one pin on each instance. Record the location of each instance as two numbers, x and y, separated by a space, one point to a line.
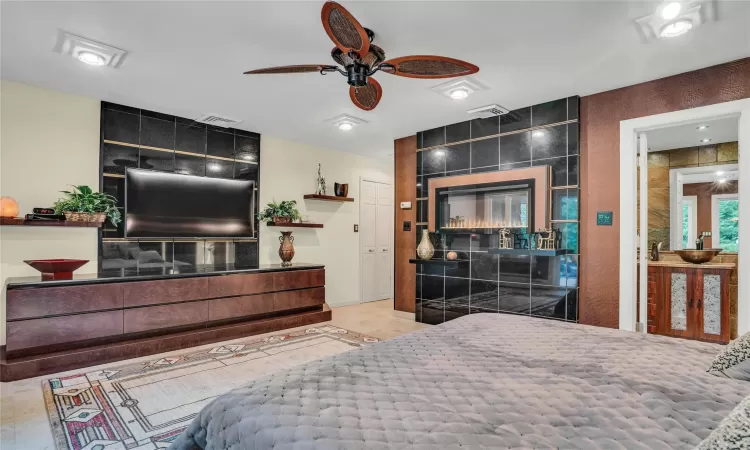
482 381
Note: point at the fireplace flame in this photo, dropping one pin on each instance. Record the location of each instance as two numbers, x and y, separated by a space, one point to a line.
468 224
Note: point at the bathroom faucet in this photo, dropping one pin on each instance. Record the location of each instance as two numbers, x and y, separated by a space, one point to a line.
699 241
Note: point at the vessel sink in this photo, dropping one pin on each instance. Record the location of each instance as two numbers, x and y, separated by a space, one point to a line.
698 256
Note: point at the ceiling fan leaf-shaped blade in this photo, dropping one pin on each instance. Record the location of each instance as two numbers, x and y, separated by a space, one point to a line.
366 97
302 68
343 29
429 66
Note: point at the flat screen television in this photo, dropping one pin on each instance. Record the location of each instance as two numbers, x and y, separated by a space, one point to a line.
170 205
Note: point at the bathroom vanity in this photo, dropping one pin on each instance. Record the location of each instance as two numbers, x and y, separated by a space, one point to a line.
689 300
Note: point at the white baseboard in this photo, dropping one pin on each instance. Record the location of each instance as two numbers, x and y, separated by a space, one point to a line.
344 303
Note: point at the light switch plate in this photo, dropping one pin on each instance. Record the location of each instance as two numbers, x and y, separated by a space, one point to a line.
405 205
356 228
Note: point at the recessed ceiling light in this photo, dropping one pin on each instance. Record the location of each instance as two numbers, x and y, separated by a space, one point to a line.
670 10
213 167
702 127
91 58
722 180
89 51
459 94
439 152
719 173
345 122
675 29
537 133
247 157
459 89
706 140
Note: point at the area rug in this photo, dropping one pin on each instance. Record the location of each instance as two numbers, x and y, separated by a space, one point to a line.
146 405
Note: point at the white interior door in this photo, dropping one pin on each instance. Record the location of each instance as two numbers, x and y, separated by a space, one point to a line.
375 238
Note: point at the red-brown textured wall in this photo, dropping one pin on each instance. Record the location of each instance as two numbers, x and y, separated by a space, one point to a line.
600 168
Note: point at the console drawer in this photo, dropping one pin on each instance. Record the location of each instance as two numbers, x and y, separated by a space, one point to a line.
62 329
299 279
240 284
246 305
51 301
165 316
142 293
304 298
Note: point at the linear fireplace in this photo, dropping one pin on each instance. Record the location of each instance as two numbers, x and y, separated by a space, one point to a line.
485 206
515 199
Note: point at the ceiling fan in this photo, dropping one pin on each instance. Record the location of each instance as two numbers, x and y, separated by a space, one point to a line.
361 59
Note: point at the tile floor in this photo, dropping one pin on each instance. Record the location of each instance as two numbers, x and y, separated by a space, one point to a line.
23 419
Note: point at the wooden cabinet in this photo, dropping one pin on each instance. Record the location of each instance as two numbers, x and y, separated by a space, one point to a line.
691 303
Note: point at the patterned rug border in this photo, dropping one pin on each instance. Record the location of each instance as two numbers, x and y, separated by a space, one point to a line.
232 349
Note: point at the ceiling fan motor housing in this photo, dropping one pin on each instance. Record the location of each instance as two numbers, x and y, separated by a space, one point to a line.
356 74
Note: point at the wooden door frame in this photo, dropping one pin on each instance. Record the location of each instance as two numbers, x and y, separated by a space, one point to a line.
628 200
379 180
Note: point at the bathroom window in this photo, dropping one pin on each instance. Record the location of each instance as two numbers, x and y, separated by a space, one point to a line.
689 220
725 222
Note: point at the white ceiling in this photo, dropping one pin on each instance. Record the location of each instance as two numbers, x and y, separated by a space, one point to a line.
187 58
683 136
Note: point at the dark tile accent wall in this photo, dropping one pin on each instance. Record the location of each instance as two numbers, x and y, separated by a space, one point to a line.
137 138
541 286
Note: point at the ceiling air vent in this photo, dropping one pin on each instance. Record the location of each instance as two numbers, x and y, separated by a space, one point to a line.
488 111
218 121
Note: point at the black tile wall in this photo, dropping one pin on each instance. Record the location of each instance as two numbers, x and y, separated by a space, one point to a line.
542 286
136 138
485 153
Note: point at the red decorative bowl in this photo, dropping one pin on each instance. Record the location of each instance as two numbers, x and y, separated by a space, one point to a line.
56 269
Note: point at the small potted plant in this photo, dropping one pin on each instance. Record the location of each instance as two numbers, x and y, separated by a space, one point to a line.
284 212
84 205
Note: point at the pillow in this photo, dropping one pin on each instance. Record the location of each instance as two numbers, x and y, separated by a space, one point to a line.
734 360
150 256
733 432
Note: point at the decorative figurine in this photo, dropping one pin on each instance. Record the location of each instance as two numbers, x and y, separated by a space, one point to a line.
520 240
321 189
425 249
451 256
505 241
547 239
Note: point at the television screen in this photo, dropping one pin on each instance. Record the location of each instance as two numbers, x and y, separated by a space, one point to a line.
170 205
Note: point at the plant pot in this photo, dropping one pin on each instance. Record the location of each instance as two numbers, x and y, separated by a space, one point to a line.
85 217
341 190
278 220
286 248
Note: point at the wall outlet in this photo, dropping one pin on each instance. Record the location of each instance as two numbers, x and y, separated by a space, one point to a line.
407 225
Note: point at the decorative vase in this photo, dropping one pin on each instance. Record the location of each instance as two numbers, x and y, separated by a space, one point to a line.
425 250
8 207
451 256
340 189
286 248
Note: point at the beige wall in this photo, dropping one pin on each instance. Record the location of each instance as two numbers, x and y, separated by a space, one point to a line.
288 171
48 140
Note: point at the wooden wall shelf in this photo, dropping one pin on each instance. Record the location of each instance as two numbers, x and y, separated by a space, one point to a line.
48 223
327 198
296 225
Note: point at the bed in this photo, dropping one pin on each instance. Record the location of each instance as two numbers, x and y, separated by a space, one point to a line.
484 380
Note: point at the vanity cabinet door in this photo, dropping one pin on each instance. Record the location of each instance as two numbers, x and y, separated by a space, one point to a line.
711 305
677 311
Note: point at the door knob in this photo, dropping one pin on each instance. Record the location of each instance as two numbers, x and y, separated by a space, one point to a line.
372 250
385 249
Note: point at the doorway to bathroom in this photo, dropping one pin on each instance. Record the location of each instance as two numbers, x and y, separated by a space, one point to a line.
682 178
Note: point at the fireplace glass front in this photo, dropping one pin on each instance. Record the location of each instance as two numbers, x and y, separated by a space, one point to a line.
486 207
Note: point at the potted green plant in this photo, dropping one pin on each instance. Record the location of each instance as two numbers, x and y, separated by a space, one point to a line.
82 204
283 212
